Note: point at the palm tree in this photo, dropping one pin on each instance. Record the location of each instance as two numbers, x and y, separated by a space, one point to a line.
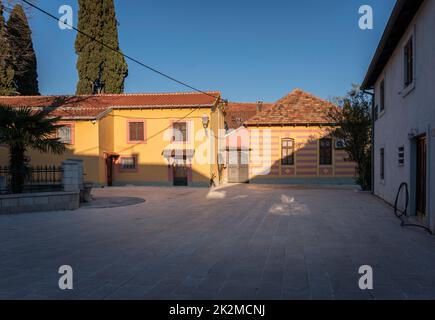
22 129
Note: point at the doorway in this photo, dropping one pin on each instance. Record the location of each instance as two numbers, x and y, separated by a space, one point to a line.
421 174
238 166
180 173
110 160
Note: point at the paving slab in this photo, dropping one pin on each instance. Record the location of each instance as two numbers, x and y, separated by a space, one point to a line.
250 242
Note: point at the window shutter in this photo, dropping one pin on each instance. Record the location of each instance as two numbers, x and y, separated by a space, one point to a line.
136 131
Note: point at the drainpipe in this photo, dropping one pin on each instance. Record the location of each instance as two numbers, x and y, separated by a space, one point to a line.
372 94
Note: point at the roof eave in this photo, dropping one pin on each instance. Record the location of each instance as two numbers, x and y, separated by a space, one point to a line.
403 13
291 124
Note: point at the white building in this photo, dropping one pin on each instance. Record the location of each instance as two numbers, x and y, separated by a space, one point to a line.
402 75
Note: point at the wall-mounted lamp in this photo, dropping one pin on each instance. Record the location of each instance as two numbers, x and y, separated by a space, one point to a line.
412 134
205 121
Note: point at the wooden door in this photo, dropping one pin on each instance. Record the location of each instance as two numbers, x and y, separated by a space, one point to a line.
180 173
109 170
238 166
421 175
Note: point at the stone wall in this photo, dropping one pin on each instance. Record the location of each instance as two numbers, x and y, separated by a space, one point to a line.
39 202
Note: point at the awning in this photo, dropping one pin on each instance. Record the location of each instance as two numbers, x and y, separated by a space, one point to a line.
112 155
178 153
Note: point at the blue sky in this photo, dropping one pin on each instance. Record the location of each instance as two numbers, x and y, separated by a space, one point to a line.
248 49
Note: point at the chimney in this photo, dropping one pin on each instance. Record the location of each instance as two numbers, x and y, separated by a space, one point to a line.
259 106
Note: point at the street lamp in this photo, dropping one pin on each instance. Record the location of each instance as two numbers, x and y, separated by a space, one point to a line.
205 121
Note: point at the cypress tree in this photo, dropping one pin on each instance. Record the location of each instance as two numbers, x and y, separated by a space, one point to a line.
6 69
100 69
23 54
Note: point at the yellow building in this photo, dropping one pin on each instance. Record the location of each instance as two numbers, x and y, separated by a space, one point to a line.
139 139
289 142
194 139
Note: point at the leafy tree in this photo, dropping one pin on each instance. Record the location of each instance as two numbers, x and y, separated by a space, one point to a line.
24 128
6 69
22 52
354 126
100 69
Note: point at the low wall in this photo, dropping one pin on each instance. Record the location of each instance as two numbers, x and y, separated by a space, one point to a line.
39 202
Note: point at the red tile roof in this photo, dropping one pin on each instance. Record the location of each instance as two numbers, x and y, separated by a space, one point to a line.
92 106
237 113
298 107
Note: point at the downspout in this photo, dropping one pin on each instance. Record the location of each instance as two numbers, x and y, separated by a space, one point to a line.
372 94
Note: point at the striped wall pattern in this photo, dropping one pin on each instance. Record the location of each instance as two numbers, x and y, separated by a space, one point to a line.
265 154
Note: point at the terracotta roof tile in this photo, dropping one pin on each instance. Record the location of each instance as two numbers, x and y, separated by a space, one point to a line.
93 105
237 113
298 107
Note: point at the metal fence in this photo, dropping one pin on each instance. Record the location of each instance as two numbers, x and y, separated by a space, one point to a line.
37 179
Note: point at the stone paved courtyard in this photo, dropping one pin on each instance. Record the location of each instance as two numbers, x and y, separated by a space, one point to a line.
238 242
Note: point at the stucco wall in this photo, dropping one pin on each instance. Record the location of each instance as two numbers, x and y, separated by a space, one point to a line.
265 155
407 111
85 146
93 139
153 168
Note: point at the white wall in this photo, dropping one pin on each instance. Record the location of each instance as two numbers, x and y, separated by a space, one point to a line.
405 111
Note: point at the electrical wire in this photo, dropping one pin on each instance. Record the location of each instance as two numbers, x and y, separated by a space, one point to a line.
403 215
119 52
131 59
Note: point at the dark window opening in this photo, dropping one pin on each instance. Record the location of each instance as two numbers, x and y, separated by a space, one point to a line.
382 96
288 152
382 167
409 62
325 152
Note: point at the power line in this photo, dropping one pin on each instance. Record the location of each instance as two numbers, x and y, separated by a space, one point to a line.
119 52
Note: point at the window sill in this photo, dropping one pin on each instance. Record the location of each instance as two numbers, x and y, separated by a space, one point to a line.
137 142
406 91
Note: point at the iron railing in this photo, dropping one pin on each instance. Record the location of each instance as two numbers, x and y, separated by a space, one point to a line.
36 179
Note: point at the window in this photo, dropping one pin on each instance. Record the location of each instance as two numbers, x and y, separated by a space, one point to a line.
382 164
325 152
382 96
409 62
288 152
128 163
179 131
65 134
136 131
